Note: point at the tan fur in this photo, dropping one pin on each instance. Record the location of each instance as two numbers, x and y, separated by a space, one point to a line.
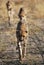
23 30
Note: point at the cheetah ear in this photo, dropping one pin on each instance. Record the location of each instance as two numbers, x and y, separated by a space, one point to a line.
20 11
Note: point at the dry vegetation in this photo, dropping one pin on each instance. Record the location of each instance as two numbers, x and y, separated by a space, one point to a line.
35 18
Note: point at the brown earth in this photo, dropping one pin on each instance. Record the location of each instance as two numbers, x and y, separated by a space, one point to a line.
35 45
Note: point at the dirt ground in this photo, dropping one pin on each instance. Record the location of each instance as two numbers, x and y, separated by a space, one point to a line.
35 45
